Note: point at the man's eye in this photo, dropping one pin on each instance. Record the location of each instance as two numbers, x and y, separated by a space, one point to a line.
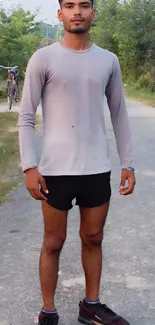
85 6
69 6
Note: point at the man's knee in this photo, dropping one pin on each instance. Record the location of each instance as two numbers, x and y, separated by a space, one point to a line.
53 243
93 239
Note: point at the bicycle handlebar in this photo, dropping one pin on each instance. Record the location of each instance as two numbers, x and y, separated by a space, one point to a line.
8 68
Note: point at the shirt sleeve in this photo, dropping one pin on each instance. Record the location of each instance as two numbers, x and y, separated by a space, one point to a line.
31 96
119 117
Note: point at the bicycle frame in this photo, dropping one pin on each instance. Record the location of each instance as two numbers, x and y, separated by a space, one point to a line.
12 85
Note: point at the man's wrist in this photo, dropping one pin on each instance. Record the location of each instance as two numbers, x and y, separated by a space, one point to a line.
129 168
28 169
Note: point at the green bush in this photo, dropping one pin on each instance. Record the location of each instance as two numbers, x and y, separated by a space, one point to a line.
2 93
128 29
146 81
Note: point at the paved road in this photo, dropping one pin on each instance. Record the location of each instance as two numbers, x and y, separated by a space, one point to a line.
128 281
15 108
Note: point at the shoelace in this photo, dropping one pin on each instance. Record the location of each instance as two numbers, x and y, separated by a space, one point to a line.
103 309
47 320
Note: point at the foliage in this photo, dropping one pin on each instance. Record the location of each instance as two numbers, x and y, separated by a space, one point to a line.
20 37
127 28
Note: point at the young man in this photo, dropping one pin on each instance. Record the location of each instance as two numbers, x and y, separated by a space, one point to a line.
71 78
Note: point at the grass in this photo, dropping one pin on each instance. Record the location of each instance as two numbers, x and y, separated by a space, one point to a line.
2 90
140 95
3 85
10 171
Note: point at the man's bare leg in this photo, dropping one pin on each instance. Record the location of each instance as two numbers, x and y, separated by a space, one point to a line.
91 232
55 222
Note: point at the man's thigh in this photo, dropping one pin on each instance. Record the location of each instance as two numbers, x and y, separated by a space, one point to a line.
55 209
93 220
55 221
94 202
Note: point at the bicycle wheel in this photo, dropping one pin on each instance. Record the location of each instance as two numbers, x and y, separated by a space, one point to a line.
16 93
10 94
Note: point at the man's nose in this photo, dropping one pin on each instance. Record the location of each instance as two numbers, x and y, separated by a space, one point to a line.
77 10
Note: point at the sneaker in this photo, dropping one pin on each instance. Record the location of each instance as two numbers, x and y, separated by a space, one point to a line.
99 315
48 319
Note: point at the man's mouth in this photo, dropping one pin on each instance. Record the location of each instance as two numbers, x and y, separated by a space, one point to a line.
77 20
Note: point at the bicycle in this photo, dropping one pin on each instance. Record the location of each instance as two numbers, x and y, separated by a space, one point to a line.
12 89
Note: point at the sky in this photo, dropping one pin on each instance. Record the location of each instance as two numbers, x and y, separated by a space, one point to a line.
48 8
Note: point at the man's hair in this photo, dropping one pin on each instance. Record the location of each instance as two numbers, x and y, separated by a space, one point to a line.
60 2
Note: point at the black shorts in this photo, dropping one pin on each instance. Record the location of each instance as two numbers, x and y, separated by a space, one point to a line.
89 190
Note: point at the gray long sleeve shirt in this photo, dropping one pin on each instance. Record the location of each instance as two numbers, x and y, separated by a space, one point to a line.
71 85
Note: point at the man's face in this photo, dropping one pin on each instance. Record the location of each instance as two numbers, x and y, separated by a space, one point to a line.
76 15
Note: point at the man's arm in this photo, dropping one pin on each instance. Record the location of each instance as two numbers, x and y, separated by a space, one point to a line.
33 85
120 121
31 95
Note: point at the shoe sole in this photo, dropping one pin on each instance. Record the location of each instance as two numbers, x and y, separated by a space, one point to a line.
56 322
84 321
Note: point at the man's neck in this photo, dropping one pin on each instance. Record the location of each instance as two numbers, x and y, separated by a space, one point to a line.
77 42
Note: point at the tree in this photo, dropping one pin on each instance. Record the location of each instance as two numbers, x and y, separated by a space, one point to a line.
127 28
135 35
20 37
103 32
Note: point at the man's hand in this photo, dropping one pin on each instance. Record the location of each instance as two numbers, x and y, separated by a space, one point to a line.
129 177
35 181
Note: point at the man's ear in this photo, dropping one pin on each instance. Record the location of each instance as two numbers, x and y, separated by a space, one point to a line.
94 14
60 15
